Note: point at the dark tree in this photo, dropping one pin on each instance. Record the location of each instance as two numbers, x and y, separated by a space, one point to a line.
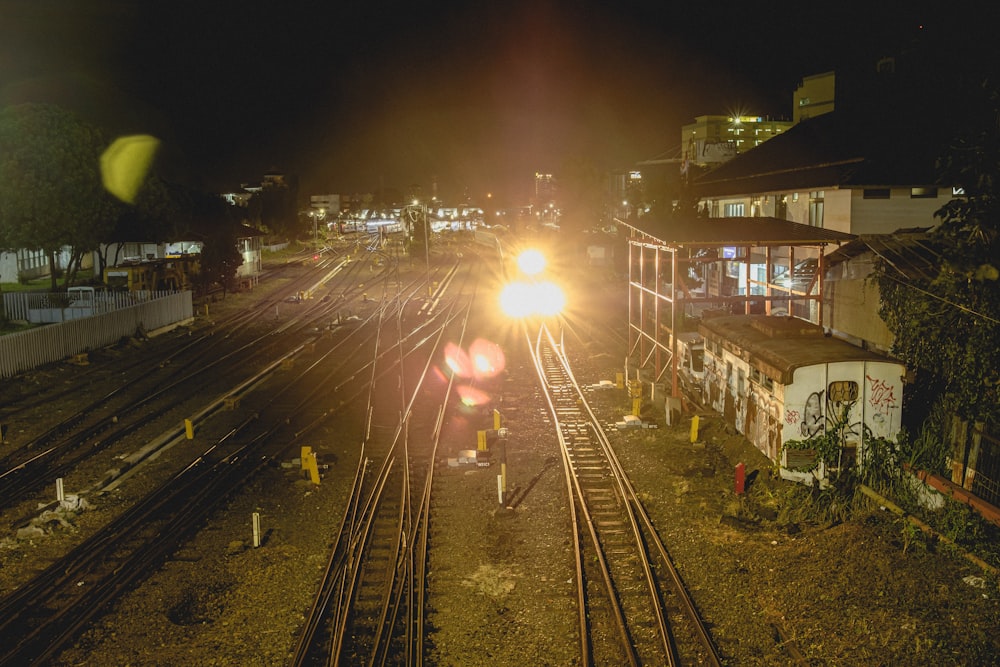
217 224
947 328
580 194
51 193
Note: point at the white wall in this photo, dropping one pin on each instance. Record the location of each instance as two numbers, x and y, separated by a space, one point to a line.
809 405
900 211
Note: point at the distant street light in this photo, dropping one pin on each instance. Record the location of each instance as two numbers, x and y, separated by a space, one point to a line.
316 216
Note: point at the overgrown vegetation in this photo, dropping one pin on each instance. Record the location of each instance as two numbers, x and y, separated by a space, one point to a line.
947 324
827 445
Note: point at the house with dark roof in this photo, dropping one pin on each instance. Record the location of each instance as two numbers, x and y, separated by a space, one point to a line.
844 171
869 171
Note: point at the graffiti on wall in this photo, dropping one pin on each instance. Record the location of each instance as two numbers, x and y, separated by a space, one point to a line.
813 420
882 399
763 422
714 383
841 397
843 408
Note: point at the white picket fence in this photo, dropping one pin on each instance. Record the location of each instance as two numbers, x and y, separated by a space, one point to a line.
22 351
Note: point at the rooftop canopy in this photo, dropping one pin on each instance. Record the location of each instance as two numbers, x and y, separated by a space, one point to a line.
720 232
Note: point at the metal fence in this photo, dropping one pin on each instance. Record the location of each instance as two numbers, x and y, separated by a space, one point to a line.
25 350
24 305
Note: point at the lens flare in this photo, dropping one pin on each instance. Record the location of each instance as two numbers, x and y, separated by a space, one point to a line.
483 359
520 299
487 358
471 397
125 165
531 262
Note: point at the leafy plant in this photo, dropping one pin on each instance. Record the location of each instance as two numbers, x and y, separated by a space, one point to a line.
880 466
911 534
828 444
929 450
961 524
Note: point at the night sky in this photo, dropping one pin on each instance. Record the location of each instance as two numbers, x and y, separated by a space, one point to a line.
476 96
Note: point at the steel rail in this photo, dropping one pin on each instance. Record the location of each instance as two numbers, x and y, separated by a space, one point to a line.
400 591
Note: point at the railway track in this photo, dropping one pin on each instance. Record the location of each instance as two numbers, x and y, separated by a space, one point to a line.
46 612
370 606
633 606
227 354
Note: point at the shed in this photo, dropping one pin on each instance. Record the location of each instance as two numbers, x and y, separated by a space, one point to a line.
776 379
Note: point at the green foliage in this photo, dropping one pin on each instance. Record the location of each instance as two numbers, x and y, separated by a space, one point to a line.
929 450
962 524
881 467
912 535
947 326
51 194
828 444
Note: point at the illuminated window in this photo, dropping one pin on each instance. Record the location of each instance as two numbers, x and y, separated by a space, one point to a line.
876 193
735 210
816 208
923 193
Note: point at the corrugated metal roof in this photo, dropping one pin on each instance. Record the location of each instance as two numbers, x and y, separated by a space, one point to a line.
696 231
777 346
830 151
912 253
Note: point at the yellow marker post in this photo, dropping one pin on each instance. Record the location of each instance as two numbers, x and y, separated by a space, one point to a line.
481 440
189 429
694 428
313 468
310 465
636 406
620 380
496 420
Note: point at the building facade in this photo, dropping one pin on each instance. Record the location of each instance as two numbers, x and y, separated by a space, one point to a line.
712 140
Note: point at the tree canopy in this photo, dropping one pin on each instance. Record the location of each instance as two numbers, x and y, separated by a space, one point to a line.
51 194
948 328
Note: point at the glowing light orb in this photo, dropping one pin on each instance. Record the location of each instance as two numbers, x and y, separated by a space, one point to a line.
125 165
457 360
521 299
483 359
531 262
487 358
471 397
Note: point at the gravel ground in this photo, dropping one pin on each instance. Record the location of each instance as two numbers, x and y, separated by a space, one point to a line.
776 588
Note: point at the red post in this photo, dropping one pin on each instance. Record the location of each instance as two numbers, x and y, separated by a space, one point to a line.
740 478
